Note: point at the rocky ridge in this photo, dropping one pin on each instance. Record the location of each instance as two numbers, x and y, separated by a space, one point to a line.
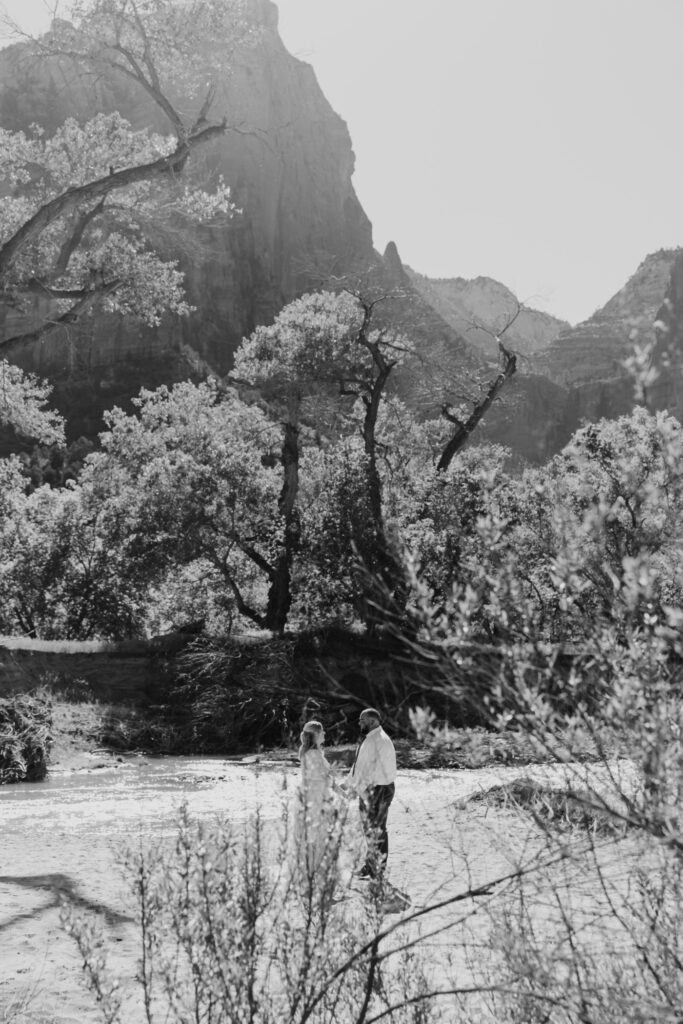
480 307
580 377
594 350
571 375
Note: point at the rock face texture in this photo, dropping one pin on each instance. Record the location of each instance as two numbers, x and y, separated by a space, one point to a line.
289 163
666 392
583 368
465 304
594 350
571 375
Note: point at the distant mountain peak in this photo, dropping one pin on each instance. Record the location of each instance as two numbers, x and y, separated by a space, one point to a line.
640 298
593 351
393 262
480 307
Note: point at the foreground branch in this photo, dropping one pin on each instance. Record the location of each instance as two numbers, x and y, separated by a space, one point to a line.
69 201
463 429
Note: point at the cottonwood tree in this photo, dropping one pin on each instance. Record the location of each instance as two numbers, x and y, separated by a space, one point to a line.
336 527
375 354
23 413
187 479
336 519
74 224
591 527
178 501
61 579
327 344
625 476
23 401
290 362
441 512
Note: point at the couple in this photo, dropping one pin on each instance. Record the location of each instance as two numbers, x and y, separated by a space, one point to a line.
371 778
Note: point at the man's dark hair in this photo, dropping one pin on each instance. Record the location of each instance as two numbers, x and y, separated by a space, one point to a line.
372 711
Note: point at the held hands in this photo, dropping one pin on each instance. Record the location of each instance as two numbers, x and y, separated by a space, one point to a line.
344 786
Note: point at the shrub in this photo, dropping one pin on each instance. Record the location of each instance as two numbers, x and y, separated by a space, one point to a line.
249 923
25 737
601 944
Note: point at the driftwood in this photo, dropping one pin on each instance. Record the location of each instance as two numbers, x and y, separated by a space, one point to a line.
167 644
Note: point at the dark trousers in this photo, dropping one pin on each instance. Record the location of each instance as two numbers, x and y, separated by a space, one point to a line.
374 808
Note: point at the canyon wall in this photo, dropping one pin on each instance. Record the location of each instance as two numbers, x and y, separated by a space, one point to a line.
289 161
580 376
566 375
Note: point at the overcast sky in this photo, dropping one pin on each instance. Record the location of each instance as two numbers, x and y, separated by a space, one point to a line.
535 141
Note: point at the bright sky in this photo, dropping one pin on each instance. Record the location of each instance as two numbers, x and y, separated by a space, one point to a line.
534 141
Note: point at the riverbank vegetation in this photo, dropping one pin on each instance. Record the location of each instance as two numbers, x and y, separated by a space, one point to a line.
556 572
26 737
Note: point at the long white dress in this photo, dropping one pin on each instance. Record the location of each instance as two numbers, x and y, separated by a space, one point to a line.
313 811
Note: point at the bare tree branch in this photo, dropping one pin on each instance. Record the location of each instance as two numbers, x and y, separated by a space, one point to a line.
463 429
242 606
86 301
152 87
258 559
72 198
73 241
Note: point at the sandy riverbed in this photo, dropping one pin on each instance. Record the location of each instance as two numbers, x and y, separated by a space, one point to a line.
65 838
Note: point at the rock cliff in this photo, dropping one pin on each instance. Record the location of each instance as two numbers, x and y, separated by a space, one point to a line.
289 163
594 350
583 372
667 390
571 375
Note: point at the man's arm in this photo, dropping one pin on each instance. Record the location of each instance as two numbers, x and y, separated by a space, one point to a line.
360 776
388 758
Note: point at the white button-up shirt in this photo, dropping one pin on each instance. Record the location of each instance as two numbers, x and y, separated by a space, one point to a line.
376 761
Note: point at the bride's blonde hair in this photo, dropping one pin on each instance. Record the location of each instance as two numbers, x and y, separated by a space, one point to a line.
310 736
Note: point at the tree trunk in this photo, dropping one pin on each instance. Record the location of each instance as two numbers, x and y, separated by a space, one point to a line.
280 591
391 594
370 445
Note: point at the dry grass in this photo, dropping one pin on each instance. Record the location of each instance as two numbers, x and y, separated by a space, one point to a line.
562 810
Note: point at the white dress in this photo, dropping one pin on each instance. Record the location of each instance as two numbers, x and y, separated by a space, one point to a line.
313 810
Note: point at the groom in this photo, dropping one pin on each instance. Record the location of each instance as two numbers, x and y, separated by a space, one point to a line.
372 776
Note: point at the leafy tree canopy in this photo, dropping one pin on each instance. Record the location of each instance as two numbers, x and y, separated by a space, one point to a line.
81 206
23 400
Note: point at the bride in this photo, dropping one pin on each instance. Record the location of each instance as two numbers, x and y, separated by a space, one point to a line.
314 811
